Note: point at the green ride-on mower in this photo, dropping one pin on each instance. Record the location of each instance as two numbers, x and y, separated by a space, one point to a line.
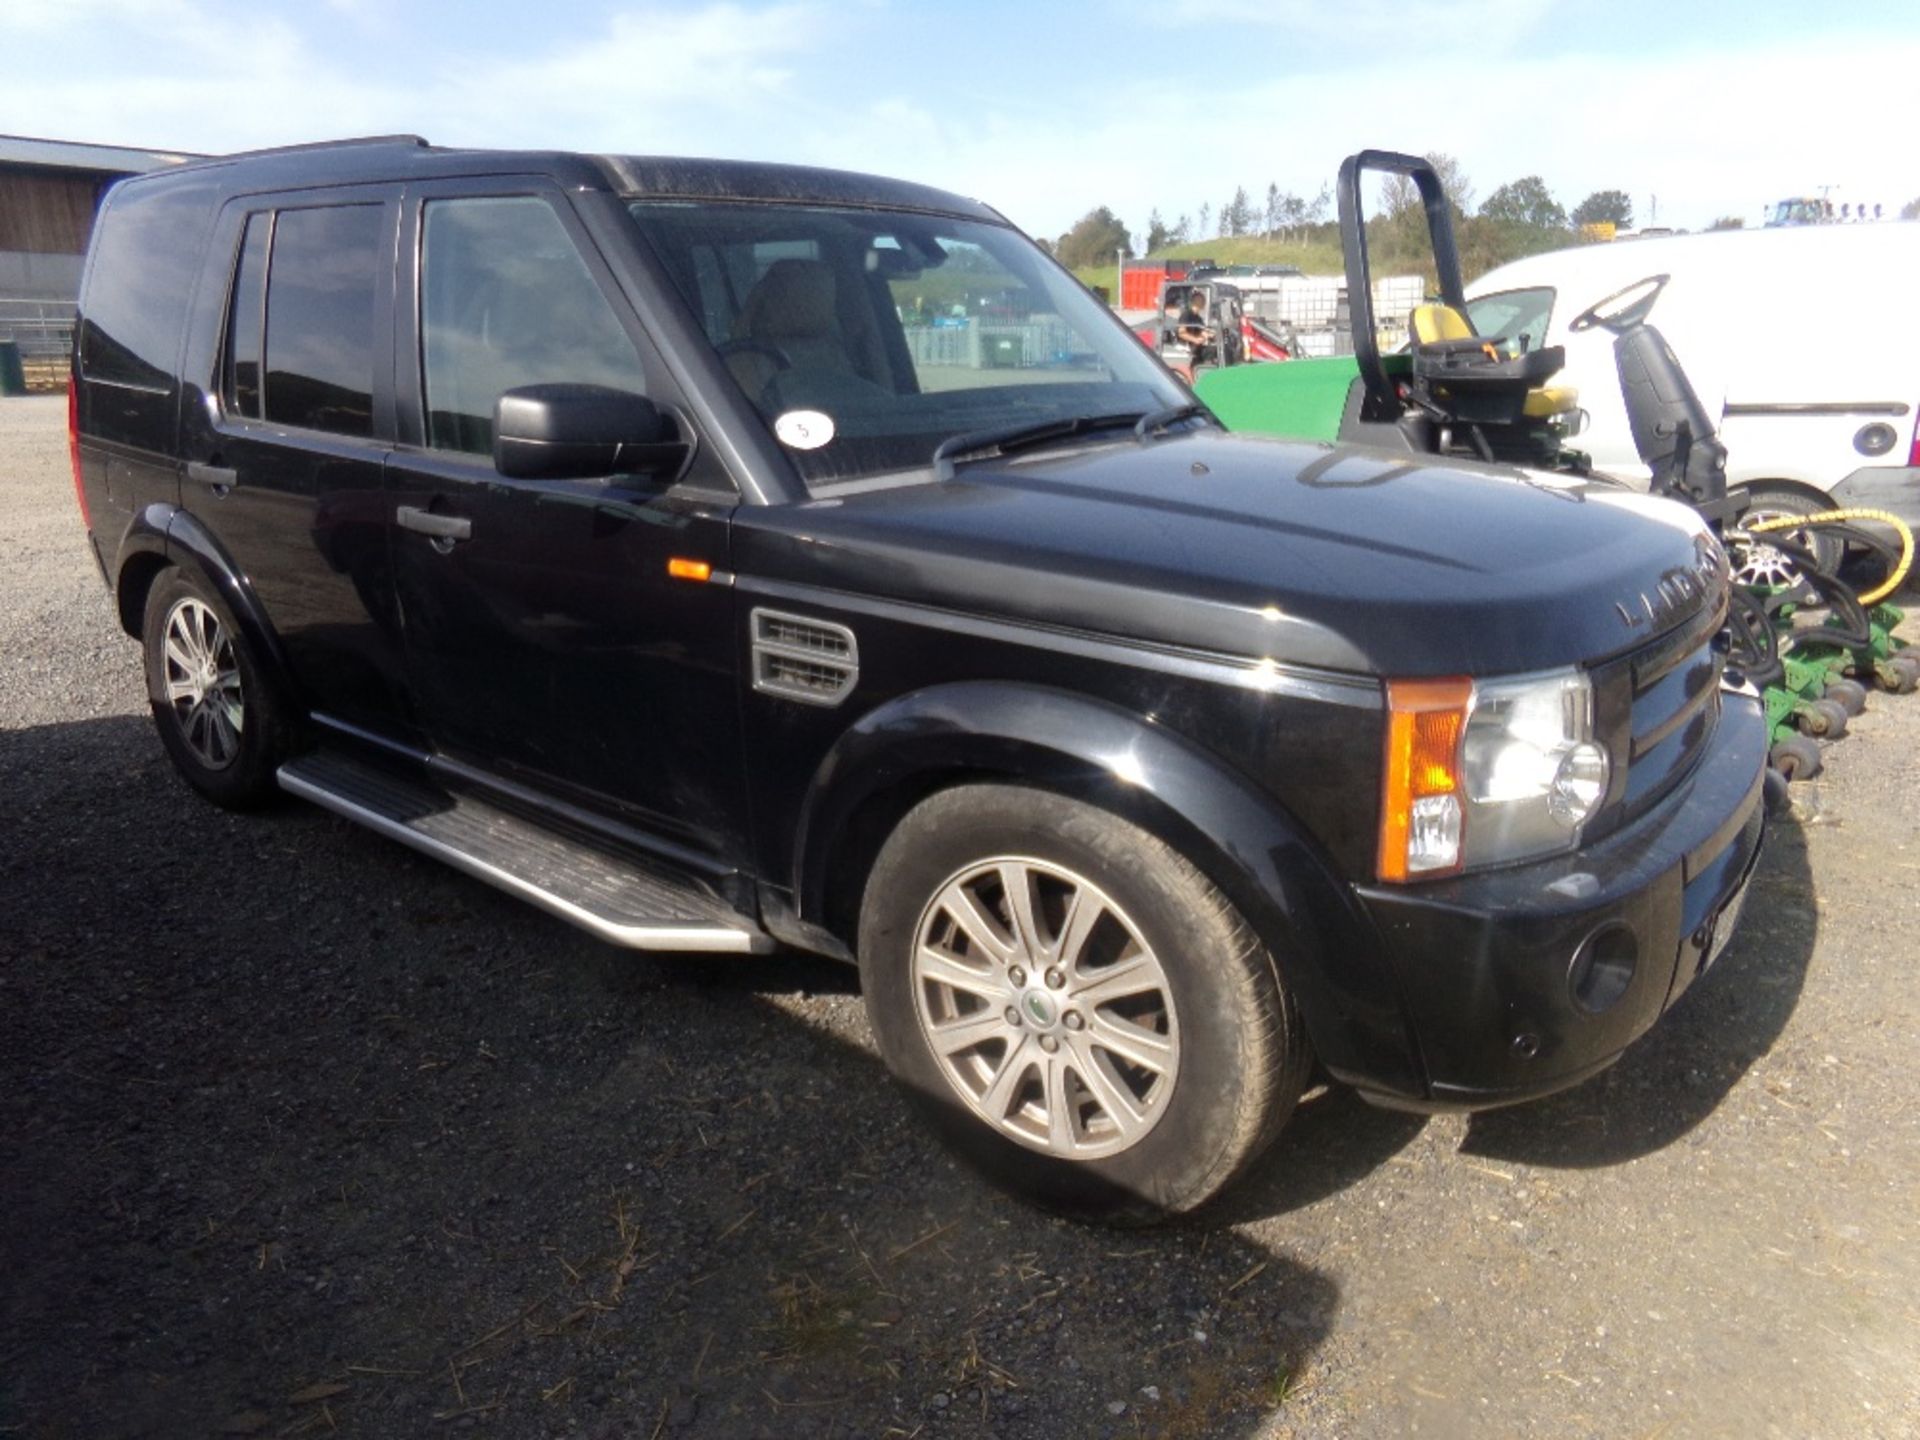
1452 392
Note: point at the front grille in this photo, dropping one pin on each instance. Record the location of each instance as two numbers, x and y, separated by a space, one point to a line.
1657 709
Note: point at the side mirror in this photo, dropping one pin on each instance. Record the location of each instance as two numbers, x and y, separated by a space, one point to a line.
582 432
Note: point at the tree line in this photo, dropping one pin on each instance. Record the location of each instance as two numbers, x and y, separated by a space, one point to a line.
1518 218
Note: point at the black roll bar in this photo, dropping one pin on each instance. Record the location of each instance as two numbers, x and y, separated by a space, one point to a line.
1379 401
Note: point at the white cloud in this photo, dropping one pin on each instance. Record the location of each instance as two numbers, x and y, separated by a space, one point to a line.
649 79
1425 27
25 19
1040 136
1709 135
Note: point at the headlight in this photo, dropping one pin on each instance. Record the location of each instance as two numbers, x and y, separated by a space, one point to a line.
1533 773
1486 773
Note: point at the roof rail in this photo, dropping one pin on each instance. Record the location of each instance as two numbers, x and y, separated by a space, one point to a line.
326 145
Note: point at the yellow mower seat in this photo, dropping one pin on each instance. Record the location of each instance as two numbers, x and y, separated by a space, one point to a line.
1432 324
1441 327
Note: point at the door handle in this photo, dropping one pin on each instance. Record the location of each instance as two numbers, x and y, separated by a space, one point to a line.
440 527
218 476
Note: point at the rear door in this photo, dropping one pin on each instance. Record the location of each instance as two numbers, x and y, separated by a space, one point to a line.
285 451
550 642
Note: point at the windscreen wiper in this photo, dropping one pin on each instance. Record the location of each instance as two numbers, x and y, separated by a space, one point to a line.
1015 437
1150 425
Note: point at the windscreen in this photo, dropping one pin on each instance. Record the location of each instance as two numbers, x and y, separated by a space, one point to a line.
865 338
1513 315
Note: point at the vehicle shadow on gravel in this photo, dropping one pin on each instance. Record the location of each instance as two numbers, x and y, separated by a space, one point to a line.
1677 1075
1334 1140
299 1131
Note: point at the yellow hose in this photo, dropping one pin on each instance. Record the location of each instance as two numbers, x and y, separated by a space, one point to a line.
1835 517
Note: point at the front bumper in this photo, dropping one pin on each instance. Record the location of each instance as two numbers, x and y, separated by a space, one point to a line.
1487 963
1895 488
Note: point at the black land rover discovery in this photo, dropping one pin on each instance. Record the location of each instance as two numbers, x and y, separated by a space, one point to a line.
730 555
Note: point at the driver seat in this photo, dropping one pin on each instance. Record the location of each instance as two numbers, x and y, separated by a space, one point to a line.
1457 363
792 309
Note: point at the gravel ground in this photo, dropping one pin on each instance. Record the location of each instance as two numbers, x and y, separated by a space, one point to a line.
301 1134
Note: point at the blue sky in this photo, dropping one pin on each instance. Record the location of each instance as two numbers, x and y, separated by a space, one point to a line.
1042 110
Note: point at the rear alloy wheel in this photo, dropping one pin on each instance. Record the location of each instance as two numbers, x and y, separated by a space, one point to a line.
203 683
223 727
1079 1010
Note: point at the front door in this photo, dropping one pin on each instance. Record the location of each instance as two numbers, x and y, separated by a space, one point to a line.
547 638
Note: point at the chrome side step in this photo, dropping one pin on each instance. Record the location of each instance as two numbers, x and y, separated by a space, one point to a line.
621 901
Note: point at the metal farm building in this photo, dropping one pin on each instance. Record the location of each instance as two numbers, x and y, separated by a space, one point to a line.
49 191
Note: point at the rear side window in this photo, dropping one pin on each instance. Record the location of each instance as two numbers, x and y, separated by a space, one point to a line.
147 251
506 300
321 281
247 322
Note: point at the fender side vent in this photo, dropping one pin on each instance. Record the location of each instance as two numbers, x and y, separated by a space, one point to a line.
797 658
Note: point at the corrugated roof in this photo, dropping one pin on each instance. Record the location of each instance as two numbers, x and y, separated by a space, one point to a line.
76 155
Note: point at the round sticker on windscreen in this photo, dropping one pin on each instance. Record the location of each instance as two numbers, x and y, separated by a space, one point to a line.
804 429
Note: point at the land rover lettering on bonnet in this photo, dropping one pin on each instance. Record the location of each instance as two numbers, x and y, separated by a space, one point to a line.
726 557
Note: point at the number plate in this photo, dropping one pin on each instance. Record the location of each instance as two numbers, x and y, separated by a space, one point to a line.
1725 923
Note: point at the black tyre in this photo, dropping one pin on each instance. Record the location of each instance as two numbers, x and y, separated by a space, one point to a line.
1776 792
1824 718
1901 675
1795 757
1084 1016
1849 695
222 723
1759 563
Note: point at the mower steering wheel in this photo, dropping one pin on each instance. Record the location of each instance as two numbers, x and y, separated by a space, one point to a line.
1626 317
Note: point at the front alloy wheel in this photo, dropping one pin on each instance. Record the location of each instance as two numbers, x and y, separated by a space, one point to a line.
1049 1014
1073 1004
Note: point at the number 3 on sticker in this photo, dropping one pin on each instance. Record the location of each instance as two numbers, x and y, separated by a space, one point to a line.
804 429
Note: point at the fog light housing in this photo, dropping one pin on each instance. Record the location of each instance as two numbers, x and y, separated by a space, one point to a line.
1603 968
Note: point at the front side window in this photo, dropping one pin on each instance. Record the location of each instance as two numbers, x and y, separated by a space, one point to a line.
505 301
320 318
865 338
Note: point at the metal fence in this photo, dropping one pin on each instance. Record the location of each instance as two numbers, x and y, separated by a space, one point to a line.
43 330
1314 307
993 344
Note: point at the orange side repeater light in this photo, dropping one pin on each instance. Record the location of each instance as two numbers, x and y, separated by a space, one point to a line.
1426 720
681 568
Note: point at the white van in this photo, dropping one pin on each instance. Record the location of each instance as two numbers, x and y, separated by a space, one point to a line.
1800 342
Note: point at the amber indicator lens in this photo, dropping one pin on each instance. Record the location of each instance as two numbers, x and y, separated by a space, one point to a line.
1421 811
